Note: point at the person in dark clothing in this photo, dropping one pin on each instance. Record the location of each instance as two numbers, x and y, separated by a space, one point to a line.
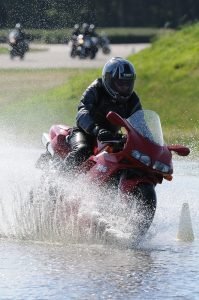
21 32
92 31
113 92
76 31
85 29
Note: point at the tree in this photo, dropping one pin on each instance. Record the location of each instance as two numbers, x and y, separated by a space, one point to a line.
112 13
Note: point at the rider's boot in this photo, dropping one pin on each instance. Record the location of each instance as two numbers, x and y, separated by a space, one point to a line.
69 164
43 161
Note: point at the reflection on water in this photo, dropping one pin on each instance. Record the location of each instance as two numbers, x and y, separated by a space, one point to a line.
73 272
61 268
43 271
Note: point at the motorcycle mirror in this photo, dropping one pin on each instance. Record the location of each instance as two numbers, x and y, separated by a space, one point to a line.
115 119
179 149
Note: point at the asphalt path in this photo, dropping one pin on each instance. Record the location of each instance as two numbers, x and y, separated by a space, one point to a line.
58 56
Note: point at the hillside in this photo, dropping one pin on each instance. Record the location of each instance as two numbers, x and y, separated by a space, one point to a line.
168 81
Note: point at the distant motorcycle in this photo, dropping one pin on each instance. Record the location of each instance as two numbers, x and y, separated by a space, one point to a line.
104 44
84 47
17 45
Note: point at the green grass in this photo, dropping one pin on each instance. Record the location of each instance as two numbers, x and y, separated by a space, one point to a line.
167 82
32 100
3 50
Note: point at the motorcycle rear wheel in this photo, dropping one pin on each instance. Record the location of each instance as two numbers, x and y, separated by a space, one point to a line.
73 53
92 54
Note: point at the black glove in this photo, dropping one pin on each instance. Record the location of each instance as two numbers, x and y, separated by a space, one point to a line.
95 131
105 135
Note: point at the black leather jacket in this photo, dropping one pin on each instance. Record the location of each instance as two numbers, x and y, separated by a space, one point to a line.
96 103
20 35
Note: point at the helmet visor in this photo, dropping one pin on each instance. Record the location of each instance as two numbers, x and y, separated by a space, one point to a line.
124 87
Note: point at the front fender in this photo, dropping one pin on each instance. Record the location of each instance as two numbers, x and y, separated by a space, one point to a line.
130 179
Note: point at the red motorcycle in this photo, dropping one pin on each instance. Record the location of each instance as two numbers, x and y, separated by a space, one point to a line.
137 161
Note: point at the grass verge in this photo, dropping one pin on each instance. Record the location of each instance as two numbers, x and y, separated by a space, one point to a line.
32 100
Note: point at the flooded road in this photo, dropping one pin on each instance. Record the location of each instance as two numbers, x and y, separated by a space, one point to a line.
57 266
36 271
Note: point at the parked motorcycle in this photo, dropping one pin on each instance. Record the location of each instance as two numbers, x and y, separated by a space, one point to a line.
84 47
17 46
136 162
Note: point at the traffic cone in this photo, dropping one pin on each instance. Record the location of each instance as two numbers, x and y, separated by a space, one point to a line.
185 230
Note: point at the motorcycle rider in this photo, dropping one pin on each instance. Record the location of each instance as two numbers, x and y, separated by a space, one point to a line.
18 42
114 91
74 35
85 29
92 31
76 31
94 38
21 33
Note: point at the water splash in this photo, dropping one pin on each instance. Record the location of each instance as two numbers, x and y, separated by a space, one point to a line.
70 210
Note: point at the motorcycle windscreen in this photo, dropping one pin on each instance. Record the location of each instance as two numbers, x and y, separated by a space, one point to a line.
147 123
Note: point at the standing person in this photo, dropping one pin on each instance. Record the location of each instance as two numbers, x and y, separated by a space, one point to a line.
114 91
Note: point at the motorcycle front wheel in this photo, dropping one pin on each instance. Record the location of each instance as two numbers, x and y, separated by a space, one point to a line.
21 56
73 53
12 54
141 204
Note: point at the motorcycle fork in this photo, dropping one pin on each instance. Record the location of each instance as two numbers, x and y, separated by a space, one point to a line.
129 180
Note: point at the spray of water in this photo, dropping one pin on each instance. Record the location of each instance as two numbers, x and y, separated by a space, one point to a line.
58 209
66 209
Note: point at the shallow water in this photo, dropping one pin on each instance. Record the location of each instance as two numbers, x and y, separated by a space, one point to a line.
47 266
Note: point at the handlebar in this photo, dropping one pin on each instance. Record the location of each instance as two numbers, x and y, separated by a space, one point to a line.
120 140
111 142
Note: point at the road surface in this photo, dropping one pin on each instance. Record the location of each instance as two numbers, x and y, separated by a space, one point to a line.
58 56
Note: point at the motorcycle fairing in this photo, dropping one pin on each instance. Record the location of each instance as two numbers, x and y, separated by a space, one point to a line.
58 136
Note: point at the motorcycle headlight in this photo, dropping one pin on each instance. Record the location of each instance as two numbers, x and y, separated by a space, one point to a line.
159 166
143 158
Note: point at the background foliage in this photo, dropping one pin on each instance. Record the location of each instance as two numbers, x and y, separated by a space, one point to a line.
52 14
